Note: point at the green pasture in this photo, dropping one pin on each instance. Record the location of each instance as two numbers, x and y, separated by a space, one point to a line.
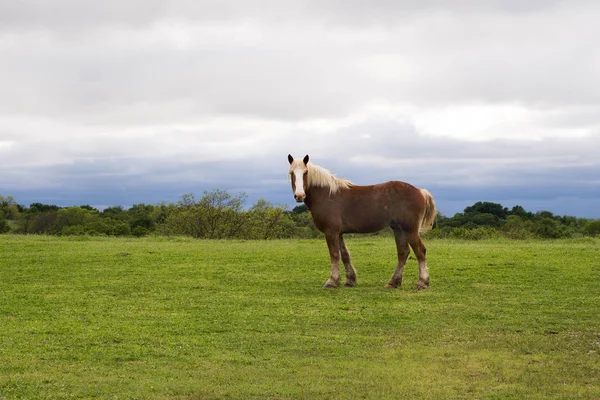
161 318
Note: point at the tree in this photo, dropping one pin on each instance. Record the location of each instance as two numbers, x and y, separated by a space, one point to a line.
223 213
120 228
592 228
268 222
7 201
117 213
516 227
477 219
216 215
44 223
9 209
486 207
39 207
142 218
4 225
71 216
187 200
519 211
184 220
300 209
470 220
549 228
10 212
544 214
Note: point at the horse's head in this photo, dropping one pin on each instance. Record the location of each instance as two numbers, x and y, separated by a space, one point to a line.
299 176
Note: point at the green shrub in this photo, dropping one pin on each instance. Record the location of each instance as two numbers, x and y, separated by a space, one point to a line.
120 228
517 228
140 231
436 233
548 228
592 228
4 227
474 234
72 230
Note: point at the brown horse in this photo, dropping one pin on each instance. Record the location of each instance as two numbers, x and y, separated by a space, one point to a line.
337 207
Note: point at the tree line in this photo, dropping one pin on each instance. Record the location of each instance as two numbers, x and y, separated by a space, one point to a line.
486 219
217 214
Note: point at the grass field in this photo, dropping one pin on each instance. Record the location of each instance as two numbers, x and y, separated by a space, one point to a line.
186 319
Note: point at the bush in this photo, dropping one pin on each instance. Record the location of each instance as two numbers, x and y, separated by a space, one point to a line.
4 228
436 233
120 228
304 232
42 223
592 228
72 230
265 221
219 215
140 231
517 228
474 234
548 228
98 227
71 216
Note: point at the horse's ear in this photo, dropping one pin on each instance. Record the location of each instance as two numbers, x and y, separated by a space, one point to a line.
305 159
290 158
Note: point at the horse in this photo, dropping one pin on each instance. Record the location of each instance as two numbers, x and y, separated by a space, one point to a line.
338 206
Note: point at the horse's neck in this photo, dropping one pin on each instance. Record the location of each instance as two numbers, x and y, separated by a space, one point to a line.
316 196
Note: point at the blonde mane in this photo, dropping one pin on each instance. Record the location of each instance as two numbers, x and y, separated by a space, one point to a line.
320 177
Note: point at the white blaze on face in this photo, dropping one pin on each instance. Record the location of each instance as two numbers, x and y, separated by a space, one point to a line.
299 194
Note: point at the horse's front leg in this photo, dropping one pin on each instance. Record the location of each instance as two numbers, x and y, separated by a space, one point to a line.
350 271
333 243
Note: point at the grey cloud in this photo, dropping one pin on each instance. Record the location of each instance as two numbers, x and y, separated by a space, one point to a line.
85 14
530 172
160 98
162 84
134 73
102 183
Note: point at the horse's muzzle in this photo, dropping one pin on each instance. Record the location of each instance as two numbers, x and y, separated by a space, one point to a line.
300 199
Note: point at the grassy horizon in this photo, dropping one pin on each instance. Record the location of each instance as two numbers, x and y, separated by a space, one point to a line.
164 318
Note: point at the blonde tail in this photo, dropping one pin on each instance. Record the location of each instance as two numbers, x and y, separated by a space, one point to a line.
430 212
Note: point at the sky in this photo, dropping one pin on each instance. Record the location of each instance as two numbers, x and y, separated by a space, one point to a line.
130 101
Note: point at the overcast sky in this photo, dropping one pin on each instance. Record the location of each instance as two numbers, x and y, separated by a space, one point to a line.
122 102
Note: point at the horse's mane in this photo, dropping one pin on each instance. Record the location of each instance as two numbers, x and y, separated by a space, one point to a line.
320 177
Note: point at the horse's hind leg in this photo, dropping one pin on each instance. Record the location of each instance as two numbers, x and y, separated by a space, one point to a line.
419 249
403 252
333 243
350 271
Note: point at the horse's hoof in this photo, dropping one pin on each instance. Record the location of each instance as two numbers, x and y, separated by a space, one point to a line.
329 286
349 284
389 286
421 286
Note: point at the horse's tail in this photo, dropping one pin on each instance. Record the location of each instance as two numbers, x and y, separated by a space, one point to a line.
430 212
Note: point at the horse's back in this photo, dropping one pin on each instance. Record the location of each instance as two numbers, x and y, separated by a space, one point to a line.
372 208
392 192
